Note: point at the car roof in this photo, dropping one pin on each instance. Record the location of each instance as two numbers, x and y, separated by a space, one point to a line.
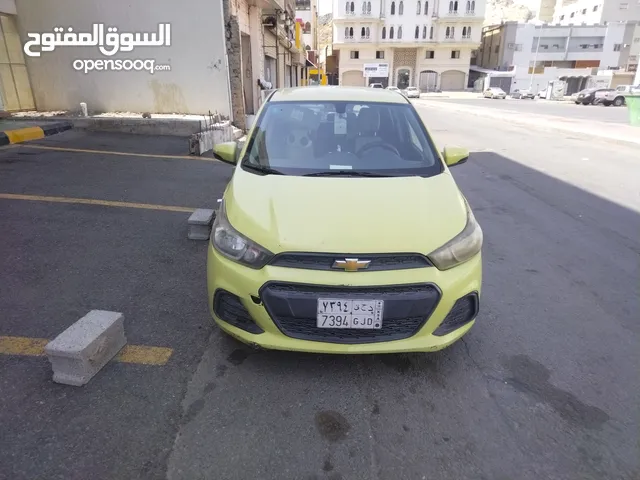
334 93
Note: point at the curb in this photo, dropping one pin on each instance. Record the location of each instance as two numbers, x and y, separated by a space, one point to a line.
20 135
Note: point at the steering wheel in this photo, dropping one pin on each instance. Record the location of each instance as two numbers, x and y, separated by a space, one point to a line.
384 146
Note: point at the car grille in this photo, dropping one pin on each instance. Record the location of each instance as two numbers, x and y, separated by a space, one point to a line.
229 308
463 311
293 308
324 261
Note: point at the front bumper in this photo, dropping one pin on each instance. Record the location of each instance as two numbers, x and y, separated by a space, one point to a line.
435 295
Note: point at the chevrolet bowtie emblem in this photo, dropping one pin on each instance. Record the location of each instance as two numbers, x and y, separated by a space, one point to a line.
351 264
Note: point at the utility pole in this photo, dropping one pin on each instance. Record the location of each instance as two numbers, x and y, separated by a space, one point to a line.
535 60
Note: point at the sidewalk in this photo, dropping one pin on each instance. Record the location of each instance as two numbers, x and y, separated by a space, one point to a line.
22 131
613 132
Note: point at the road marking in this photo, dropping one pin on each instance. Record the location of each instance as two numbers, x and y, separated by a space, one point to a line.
138 354
125 154
91 201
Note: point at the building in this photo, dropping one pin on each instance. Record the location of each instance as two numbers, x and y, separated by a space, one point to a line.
545 10
307 17
218 60
407 42
538 54
594 12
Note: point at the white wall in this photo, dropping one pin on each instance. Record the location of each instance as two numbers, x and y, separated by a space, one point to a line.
198 80
8 7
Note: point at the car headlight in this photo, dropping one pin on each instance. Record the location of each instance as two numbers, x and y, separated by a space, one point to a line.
460 248
235 246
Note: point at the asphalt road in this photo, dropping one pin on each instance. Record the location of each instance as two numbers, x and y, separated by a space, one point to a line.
597 113
544 386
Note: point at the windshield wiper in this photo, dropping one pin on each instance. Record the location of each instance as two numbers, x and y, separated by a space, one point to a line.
262 169
345 173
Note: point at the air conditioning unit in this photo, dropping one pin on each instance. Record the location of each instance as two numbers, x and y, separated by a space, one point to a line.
269 22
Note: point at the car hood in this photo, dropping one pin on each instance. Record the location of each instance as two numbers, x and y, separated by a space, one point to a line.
345 215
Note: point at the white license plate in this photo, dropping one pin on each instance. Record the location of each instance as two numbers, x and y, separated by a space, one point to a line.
347 313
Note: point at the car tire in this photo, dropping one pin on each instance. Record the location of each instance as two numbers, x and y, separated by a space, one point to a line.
577 103
618 102
606 104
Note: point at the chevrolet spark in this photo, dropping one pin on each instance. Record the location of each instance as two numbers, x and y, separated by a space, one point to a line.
342 229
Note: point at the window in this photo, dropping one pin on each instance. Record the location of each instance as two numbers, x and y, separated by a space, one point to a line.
573 14
393 9
354 54
430 54
424 32
518 47
584 46
426 8
350 32
468 32
455 6
362 32
473 6
468 6
430 33
380 54
418 8
595 8
401 8
561 17
584 11
417 32
464 32
384 32
453 32
447 32
391 33
624 6
399 32
403 130
364 7
368 7
455 53
617 47
544 47
352 6
346 7
346 32
367 32
450 7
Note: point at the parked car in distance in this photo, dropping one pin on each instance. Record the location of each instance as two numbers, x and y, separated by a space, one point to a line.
412 92
616 97
494 92
523 94
588 96
376 85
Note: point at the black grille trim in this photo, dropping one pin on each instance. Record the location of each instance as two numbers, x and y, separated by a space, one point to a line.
463 311
284 302
229 308
324 261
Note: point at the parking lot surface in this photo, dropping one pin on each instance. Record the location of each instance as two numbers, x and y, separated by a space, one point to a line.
597 113
544 386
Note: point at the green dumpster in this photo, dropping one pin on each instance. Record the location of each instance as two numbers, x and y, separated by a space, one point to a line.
633 103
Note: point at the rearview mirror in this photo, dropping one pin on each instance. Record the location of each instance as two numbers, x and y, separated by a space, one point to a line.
455 155
226 152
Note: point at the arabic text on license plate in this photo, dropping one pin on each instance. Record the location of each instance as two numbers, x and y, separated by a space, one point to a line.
349 313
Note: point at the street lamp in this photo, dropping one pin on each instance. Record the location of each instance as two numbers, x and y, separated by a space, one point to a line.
535 60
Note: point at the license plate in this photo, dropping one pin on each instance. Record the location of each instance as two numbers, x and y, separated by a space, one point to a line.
348 313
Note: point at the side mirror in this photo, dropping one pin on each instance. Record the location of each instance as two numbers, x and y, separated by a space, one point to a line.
455 156
226 152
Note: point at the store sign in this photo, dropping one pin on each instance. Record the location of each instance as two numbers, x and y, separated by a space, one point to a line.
376 70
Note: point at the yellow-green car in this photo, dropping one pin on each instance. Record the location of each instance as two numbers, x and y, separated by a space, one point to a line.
342 230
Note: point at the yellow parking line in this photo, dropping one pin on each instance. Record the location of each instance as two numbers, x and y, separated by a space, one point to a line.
138 354
111 152
91 201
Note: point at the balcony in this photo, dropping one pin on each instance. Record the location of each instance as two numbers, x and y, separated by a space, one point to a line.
353 39
352 16
470 13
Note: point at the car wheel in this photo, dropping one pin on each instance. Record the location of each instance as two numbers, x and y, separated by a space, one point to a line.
606 104
577 103
618 101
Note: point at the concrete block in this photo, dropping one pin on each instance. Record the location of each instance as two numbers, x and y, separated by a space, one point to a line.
79 352
200 223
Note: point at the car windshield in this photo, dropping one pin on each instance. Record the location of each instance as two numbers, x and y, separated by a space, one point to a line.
413 89
334 138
